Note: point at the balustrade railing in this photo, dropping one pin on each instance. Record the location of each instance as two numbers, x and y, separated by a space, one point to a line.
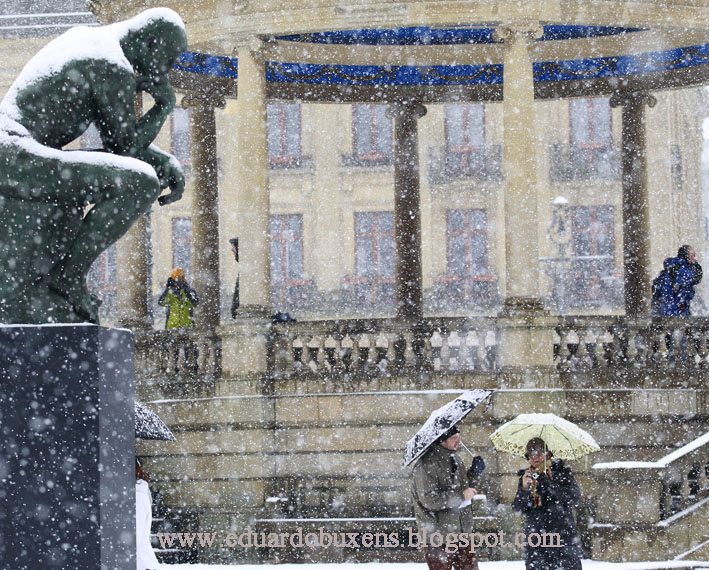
385 347
178 355
586 343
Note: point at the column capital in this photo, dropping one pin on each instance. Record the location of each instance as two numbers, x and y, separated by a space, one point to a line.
256 46
407 109
622 98
518 30
203 99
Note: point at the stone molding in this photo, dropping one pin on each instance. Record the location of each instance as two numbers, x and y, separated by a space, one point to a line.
622 98
203 100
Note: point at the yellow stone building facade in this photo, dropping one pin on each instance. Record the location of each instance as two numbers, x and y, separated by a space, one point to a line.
427 202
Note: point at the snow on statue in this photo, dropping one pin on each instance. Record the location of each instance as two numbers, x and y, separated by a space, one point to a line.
48 240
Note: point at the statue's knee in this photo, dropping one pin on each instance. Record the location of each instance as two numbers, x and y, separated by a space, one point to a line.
146 188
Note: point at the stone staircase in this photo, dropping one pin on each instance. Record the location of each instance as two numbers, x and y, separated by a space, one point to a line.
337 455
309 430
661 505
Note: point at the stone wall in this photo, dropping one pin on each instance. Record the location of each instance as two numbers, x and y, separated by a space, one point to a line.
247 457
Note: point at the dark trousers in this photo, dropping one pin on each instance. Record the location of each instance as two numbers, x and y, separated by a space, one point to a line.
462 559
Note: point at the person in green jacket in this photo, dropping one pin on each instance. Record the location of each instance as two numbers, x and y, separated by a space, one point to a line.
180 300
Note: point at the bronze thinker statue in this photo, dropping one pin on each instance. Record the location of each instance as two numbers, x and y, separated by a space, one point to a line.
59 209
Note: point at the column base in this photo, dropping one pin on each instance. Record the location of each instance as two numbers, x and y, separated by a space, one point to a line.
246 342
253 312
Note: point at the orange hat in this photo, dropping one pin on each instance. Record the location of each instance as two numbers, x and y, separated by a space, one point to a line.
178 274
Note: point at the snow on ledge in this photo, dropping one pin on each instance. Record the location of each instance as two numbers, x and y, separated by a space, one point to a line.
660 463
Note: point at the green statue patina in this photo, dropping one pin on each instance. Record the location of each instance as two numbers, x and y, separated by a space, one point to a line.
59 209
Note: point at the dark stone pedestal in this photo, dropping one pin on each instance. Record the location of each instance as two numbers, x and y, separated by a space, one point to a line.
67 462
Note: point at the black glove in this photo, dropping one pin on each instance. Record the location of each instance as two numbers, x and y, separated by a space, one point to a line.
476 468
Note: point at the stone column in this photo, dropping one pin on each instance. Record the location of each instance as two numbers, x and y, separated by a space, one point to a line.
246 349
326 201
132 277
132 283
205 205
253 208
525 349
407 210
636 206
520 170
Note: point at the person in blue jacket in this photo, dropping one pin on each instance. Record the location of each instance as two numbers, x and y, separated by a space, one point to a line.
682 274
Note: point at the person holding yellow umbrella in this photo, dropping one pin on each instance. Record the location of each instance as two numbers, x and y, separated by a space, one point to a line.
546 490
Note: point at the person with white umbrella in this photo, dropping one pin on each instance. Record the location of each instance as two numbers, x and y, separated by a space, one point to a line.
547 490
149 426
546 493
441 488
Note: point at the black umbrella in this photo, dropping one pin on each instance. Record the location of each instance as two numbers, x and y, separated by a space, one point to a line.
440 421
149 426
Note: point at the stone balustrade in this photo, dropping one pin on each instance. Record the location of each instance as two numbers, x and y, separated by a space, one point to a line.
178 359
380 348
385 347
659 344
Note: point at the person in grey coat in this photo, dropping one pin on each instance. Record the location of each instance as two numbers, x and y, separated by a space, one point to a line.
439 488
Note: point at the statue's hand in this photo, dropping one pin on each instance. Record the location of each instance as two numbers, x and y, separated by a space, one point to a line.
159 88
176 182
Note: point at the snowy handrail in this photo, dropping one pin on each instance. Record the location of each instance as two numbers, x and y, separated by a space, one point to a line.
681 478
660 463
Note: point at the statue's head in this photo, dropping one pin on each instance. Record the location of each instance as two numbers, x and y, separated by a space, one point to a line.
153 40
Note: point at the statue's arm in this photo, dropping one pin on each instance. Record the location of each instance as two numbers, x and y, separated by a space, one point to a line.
149 125
121 131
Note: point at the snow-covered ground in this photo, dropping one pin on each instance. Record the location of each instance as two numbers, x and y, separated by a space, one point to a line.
502 565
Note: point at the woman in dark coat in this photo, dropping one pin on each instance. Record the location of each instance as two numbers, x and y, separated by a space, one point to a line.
546 493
